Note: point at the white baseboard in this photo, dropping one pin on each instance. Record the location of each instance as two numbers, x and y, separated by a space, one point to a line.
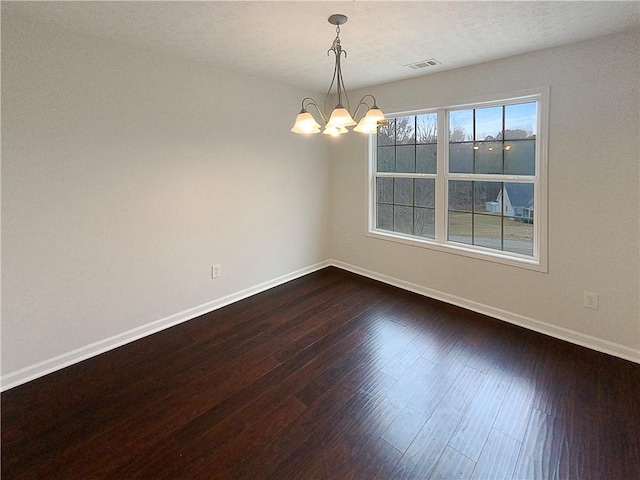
40 369
561 333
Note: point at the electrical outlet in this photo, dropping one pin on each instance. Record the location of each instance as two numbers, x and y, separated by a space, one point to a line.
215 271
349 242
590 300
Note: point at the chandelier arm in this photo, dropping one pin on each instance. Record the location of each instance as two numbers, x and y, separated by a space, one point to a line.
372 98
362 102
341 88
313 102
333 81
337 80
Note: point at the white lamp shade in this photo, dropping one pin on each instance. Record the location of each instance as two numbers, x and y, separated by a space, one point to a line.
340 117
374 115
366 127
305 123
334 131
369 123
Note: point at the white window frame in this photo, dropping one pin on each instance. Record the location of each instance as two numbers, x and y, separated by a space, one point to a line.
538 261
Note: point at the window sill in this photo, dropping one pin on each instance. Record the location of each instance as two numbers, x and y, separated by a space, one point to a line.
478 253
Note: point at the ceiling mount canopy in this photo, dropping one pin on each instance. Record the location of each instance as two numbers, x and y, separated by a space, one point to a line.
337 121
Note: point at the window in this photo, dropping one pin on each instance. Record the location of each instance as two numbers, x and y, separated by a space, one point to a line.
468 179
405 180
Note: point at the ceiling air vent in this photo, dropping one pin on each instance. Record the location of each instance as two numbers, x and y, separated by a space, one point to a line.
432 62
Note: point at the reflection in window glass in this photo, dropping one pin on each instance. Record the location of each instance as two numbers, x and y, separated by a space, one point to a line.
461 157
489 157
520 157
504 140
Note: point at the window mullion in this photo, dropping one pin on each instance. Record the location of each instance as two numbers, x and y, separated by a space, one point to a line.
490 177
442 166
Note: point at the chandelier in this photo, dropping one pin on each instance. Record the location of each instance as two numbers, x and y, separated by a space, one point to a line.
339 118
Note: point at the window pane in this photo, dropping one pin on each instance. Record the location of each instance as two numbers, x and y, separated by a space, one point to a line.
460 225
427 126
520 157
517 200
518 235
487 231
487 197
520 121
461 126
488 123
424 222
426 158
460 195
403 191
461 157
406 159
384 190
405 130
403 219
386 160
386 133
384 217
425 192
489 157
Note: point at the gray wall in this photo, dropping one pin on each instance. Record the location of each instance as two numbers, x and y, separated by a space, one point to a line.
593 197
125 176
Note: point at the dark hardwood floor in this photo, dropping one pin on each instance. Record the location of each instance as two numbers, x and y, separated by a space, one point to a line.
331 376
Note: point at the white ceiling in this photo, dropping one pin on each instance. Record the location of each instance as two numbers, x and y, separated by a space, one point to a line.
288 41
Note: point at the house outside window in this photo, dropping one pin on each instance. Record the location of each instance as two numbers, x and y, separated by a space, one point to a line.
468 179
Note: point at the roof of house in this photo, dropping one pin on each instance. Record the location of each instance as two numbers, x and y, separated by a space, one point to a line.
520 194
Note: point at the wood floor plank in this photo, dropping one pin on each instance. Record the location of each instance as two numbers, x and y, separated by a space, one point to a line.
516 408
237 459
498 458
474 429
452 465
313 372
330 376
427 447
542 447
